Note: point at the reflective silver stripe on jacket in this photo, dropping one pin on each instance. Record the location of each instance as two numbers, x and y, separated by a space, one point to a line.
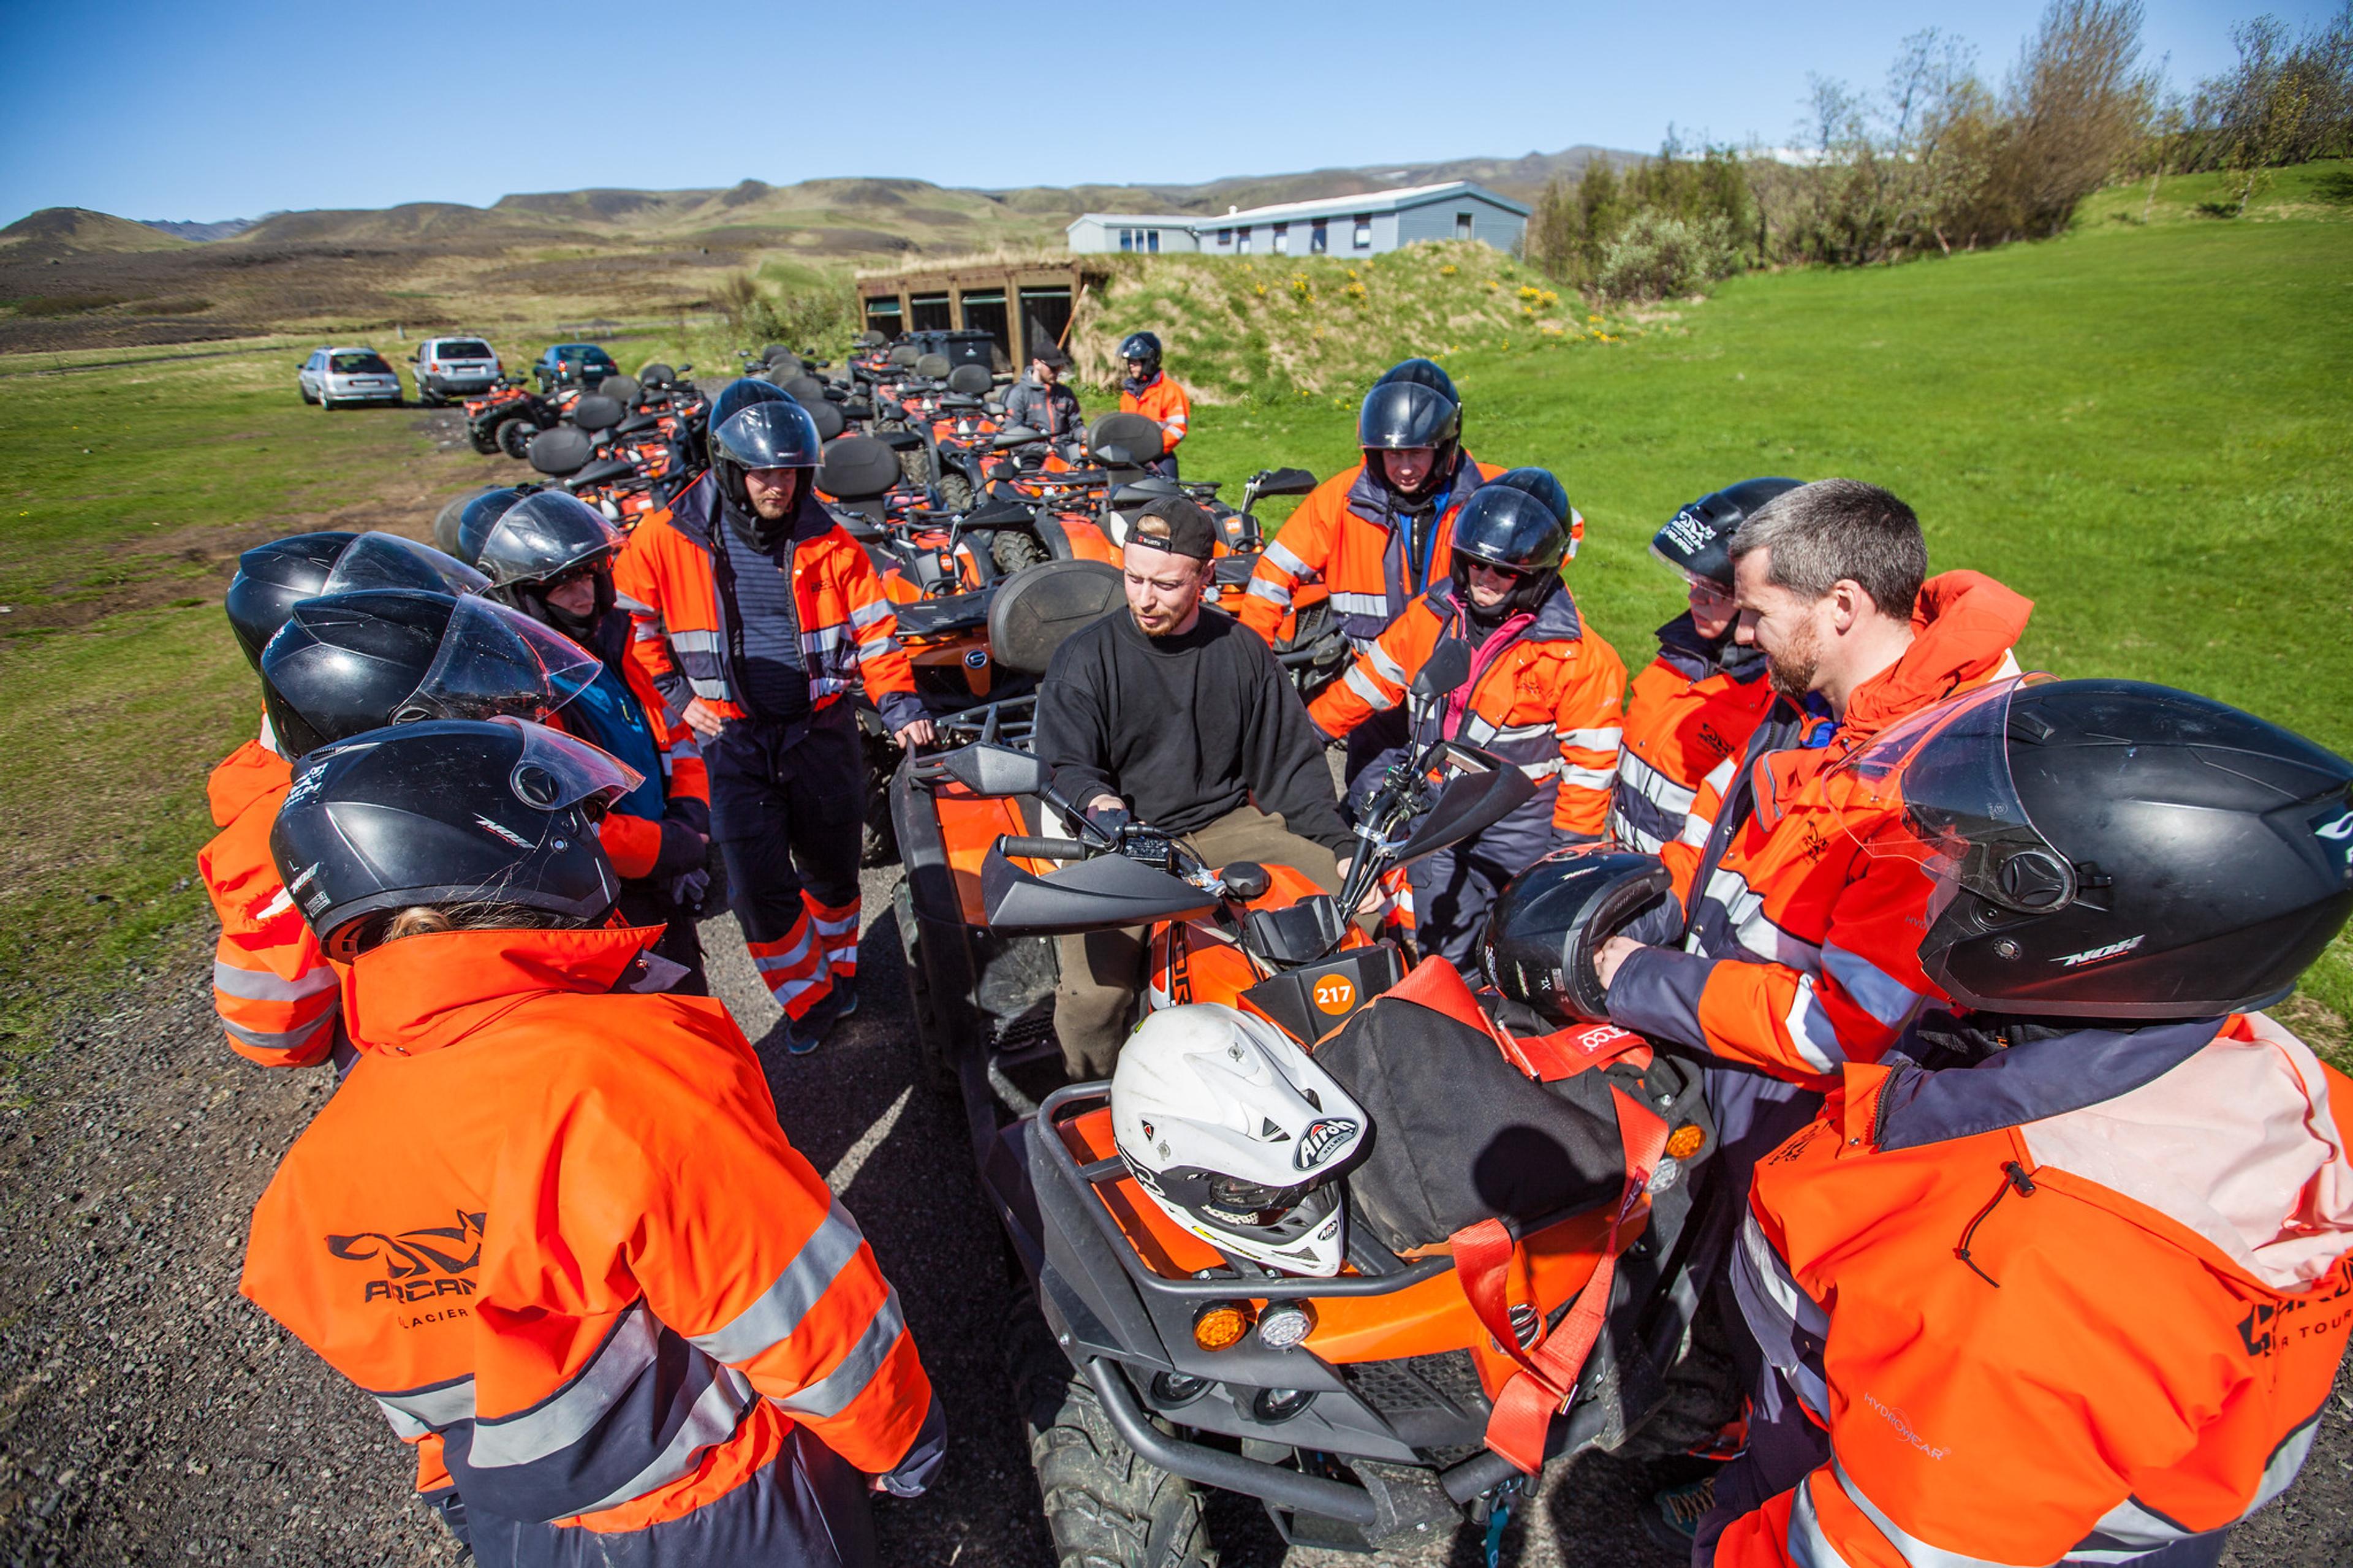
770 1321
831 1395
268 985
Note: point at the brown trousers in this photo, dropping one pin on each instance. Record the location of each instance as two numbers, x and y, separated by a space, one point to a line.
1102 971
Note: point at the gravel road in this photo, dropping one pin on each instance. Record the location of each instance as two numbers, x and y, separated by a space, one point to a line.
148 1415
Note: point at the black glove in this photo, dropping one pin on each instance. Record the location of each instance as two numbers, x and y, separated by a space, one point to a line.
683 849
1110 819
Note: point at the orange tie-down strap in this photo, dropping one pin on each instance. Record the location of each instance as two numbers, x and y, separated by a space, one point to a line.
1547 1380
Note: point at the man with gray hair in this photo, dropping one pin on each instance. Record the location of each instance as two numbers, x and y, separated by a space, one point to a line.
1791 952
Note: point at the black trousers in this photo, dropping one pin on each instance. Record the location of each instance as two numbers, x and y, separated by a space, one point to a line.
787 803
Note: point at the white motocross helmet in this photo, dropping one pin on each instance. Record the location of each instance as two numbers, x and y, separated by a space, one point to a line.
1238 1135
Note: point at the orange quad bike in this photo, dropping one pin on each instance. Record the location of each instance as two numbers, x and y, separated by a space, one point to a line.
1418 1391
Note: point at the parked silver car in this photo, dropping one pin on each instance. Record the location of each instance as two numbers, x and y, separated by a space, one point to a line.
453 367
332 377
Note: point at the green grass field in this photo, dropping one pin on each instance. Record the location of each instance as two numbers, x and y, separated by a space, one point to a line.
2144 427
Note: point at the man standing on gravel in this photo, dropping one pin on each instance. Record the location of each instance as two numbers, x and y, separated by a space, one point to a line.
1177 713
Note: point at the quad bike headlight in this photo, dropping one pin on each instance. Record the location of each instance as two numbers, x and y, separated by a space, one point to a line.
1285 1324
1221 1324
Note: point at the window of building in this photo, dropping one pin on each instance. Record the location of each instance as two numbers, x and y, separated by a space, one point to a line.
1242 242
928 313
1127 240
1225 239
1462 225
1318 238
883 315
1152 240
1281 243
1363 240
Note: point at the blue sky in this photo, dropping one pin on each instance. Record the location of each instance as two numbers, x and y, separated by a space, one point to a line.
156 111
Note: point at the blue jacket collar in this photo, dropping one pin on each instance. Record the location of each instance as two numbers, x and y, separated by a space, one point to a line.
2027 1082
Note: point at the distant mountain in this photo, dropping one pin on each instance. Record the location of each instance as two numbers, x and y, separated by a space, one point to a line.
227 228
78 229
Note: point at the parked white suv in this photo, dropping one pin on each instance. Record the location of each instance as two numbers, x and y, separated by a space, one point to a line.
334 376
453 367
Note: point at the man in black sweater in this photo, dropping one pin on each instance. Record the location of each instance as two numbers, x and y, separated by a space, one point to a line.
1179 715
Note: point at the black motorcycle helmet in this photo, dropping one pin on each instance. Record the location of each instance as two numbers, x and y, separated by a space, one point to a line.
1422 373
778 435
738 395
1697 540
1141 348
1399 415
1516 529
481 515
2109 848
540 542
347 663
1552 918
272 579
451 811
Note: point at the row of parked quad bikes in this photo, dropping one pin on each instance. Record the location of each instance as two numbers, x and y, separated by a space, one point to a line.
950 502
1149 1364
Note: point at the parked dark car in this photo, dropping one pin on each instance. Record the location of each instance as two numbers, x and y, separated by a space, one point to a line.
573 365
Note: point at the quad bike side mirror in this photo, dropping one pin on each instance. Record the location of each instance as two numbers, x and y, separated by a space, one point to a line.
1282 482
1485 791
1446 668
990 770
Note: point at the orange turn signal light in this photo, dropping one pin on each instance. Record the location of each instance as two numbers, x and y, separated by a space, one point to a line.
1222 1323
1684 1141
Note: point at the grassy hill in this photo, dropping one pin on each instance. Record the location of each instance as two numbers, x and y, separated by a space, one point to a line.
2142 426
97 281
65 230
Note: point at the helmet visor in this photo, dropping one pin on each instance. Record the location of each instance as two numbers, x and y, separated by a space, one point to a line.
557 771
495 660
388 561
541 537
1936 790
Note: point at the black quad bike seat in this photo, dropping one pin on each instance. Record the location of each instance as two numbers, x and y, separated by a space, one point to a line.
934 367
827 418
624 390
972 380
597 412
806 389
858 467
1037 607
562 450
1123 441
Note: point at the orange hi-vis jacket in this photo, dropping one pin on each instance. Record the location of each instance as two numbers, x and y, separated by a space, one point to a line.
2083 1301
1801 945
277 993
557 1227
1344 536
1689 712
1547 699
668 578
1163 402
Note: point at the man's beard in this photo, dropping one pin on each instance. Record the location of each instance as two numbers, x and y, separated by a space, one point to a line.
1792 671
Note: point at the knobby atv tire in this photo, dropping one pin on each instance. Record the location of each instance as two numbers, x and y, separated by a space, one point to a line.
1106 1507
878 837
1014 550
514 436
955 491
930 1035
916 464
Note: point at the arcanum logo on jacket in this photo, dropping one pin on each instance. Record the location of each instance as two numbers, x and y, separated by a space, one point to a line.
418 1264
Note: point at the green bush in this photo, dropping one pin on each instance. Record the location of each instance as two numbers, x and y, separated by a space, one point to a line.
1655 257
